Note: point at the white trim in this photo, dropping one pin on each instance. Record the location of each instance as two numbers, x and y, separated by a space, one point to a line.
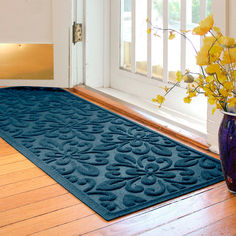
149 41
165 42
97 43
133 53
85 42
170 117
139 86
77 50
183 40
220 10
106 43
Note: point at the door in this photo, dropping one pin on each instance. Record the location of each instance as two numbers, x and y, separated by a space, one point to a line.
46 27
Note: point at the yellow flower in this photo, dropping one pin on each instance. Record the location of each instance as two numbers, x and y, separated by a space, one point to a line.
149 30
179 76
147 20
202 58
165 88
228 85
172 35
204 26
229 56
231 102
187 99
209 52
213 110
224 92
217 30
210 79
211 100
192 94
159 99
200 81
227 41
218 106
212 69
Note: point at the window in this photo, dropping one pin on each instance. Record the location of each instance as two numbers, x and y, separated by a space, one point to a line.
141 63
156 56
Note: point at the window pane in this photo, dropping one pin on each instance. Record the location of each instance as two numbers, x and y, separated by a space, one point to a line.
157 42
126 34
193 11
208 11
174 45
141 36
193 19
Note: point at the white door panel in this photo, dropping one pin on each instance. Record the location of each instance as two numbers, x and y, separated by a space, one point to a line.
39 22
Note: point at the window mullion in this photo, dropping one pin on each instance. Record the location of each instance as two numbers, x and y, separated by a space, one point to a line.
149 41
183 40
165 42
133 56
202 13
203 9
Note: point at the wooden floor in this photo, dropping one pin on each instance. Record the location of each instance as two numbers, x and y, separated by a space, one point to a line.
33 203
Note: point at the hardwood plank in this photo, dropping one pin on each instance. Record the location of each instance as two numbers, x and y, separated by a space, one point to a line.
136 222
36 195
37 208
225 226
46 221
7 159
196 220
17 166
18 176
26 185
5 148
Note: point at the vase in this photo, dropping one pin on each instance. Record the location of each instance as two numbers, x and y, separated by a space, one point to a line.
227 148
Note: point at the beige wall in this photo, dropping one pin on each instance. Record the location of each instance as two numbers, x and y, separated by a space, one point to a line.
232 18
26 21
26 36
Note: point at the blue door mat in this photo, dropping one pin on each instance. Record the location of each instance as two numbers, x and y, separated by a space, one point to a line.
112 164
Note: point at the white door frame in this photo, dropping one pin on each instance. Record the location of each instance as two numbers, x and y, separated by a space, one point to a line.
220 11
62 15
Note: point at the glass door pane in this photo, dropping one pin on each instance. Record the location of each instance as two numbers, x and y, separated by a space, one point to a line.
174 50
157 40
126 34
141 36
192 20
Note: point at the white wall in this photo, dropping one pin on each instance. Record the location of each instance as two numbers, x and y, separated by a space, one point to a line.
26 21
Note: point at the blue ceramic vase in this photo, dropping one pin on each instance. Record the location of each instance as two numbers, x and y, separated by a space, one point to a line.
227 148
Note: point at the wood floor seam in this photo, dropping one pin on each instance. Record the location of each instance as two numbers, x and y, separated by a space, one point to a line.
27 191
39 215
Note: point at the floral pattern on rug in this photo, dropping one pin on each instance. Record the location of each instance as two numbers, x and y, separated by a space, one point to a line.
112 164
